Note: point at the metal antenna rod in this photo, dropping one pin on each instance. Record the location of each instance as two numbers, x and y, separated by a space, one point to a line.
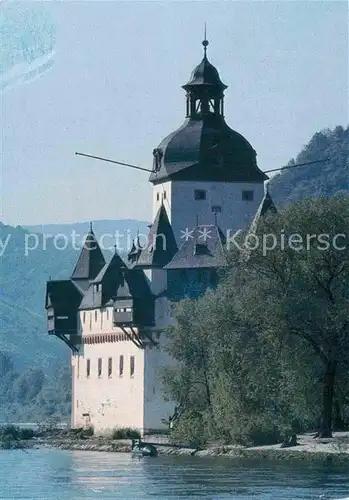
152 171
297 165
114 161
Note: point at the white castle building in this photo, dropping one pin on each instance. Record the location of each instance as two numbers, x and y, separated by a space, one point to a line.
113 316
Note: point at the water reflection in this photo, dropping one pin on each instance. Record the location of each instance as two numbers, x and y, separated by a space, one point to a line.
51 474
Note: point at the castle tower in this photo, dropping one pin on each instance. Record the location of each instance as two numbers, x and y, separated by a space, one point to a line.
113 315
205 171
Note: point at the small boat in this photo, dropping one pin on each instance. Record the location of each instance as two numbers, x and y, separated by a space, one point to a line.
140 449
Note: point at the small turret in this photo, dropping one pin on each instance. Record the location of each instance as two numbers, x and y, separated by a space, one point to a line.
91 259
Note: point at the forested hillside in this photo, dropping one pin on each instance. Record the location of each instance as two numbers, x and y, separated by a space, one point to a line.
320 178
23 279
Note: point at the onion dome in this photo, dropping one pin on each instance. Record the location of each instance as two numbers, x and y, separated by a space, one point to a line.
205 74
205 148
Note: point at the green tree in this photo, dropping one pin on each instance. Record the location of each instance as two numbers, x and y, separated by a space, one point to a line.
304 286
265 353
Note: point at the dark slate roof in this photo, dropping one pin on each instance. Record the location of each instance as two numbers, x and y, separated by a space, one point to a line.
205 74
90 260
113 266
207 149
138 284
266 206
62 292
120 284
205 249
161 245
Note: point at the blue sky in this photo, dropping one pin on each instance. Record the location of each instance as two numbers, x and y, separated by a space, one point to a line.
111 86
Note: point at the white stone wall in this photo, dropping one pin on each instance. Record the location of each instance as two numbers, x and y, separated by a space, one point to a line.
162 193
118 401
96 321
183 209
115 401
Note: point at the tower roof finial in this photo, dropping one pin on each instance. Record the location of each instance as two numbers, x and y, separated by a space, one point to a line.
205 42
91 227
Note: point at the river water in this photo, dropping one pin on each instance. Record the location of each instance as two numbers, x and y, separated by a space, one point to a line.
49 474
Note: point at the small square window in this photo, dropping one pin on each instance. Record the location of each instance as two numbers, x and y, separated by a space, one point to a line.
99 367
247 195
200 194
216 209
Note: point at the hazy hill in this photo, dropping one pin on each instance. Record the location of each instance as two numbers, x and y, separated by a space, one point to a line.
125 228
321 178
28 260
22 287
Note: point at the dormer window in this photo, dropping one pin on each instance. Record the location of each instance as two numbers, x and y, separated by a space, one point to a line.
216 209
157 153
201 249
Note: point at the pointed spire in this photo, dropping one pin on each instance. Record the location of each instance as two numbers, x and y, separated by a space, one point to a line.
138 245
266 206
112 268
205 43
91 259
133 248
161 243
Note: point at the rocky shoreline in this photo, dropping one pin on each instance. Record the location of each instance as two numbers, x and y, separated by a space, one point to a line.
334 450
308 449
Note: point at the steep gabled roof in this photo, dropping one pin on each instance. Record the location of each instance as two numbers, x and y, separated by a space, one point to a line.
113 266
90 261
138 283
161 245
266 207
204 248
